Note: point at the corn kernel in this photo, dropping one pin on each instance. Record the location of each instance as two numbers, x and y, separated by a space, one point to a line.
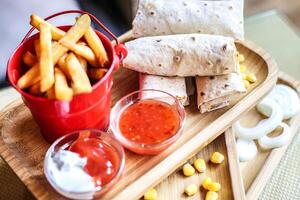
243 68
217 158
151 194
213 186
241 58
188 169
210 195
206 182
199 164
246 83
244 76
251 78
190 190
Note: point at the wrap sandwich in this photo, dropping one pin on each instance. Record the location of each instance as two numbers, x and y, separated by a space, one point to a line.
214 92
175 86
182 55
163 17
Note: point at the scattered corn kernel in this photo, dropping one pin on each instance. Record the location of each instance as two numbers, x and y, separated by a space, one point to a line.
246 83
217 158
188 169
210 195
206 182
251 78
241 58
243 68
191 189
199 164
151 194
213 186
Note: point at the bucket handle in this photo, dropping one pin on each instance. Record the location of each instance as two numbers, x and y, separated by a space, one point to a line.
75 11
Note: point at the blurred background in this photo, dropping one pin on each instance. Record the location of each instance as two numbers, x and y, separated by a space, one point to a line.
115 14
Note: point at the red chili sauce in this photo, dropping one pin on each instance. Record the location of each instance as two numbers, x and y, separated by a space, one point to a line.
102 160
149 122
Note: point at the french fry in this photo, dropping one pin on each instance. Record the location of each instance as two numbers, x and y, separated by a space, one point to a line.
96 45
73 35
29 59
35 89
46 63
82 62
63 66
80 80
31 77
56 33
96 73
62 90
83 51
37 48
51 93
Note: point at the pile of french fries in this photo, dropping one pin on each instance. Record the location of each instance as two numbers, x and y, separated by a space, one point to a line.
63 63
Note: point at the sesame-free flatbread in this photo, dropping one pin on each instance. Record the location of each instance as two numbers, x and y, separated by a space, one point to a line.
213 92
182 55
175 86
166 17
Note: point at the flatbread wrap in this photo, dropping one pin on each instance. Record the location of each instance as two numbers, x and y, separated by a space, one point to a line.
214 92
163 17
182 55
175 86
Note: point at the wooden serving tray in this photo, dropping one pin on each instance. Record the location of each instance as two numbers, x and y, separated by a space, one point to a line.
23 148
231 174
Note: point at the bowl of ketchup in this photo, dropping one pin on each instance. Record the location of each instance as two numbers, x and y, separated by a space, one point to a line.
147 121
84 164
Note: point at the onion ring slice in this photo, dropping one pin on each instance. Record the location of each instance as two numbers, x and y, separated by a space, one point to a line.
267 142
263 127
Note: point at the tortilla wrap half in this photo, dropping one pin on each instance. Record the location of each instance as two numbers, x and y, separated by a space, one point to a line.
214 91
182 55
163 17
173 85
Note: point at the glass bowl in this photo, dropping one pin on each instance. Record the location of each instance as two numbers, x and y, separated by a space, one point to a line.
64 142
147 94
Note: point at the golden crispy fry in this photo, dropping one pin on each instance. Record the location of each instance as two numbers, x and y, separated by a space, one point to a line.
56 33
82 62
83 51
29 59
80 80
50 93
96 73
62 90
46 63
30 77
63 66
96 45
73 35
37 48
35 89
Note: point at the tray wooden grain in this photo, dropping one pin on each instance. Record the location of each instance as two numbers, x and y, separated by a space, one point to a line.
231 174
23 148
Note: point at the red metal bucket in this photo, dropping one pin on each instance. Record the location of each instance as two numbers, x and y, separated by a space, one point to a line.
91 110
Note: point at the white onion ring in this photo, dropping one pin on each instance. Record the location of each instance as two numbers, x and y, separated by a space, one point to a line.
246 149
287 98
267 142
263 127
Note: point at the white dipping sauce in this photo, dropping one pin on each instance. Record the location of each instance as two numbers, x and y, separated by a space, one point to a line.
66 169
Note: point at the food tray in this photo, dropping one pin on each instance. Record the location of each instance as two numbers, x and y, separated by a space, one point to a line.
231 174
23 148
